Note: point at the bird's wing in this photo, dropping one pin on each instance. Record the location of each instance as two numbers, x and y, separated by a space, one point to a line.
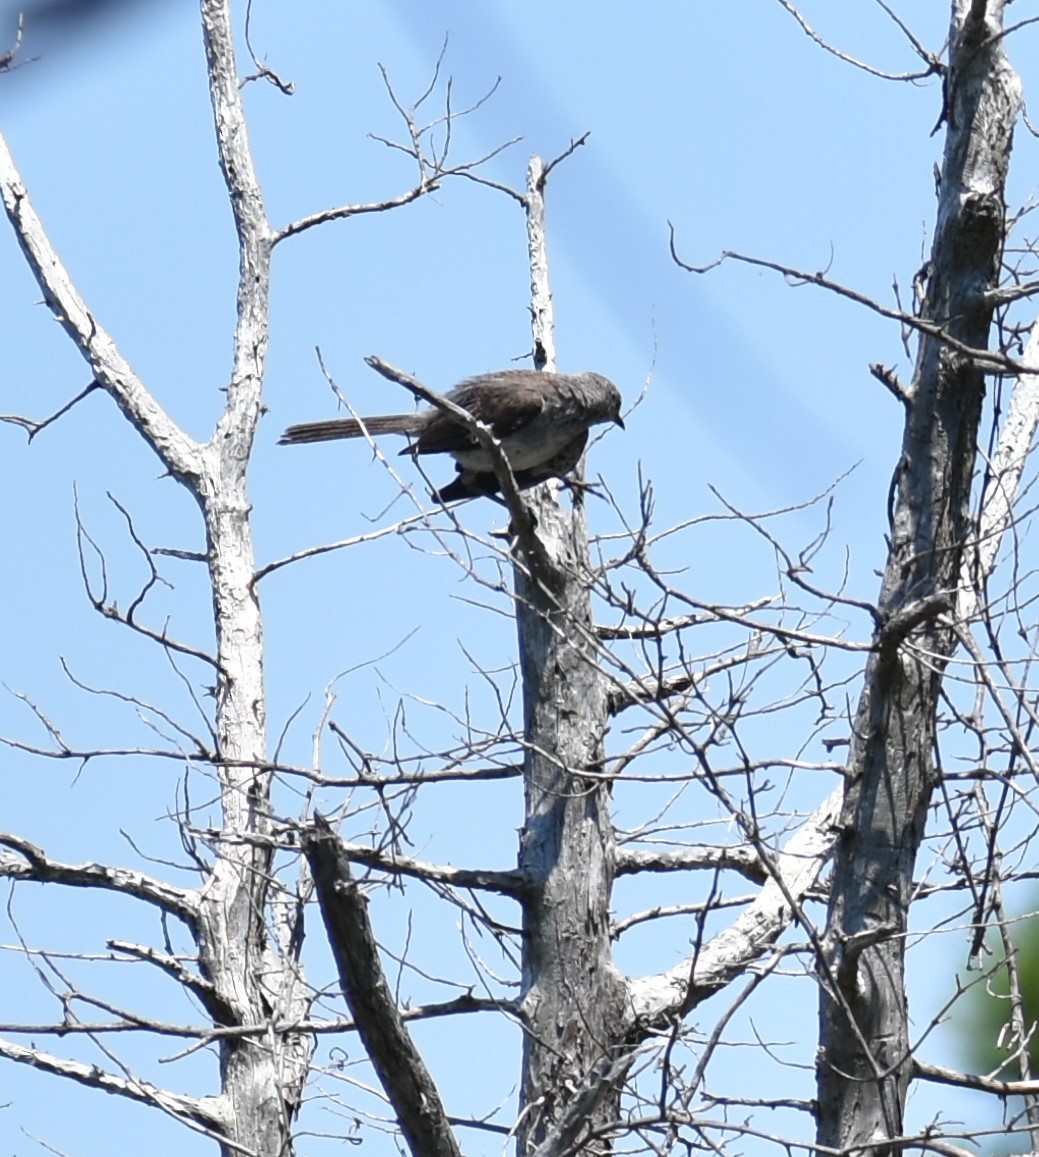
505 406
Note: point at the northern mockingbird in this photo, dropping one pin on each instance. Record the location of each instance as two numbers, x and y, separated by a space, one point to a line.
541 419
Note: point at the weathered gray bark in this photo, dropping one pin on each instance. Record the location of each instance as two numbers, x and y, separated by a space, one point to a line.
262 1077
573 1000
864 1065
400 1068
583 1020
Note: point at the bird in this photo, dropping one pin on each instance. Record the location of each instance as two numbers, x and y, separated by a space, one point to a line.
540 418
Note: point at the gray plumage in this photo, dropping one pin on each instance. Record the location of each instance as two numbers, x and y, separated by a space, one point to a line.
541 419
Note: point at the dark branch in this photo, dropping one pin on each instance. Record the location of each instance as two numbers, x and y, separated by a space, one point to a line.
397 1062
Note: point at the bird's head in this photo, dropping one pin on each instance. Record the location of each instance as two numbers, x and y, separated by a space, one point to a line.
605 399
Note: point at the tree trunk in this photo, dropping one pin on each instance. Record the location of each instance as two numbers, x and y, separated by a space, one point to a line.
573 1001
572 996
864 1059
254 982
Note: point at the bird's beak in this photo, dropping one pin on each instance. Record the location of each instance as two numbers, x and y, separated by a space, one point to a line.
619 422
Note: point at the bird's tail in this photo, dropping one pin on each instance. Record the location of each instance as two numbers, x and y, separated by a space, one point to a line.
348 428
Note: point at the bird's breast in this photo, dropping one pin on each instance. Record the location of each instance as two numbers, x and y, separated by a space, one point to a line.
526 449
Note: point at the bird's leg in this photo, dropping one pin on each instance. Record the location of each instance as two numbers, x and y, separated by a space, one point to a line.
579 488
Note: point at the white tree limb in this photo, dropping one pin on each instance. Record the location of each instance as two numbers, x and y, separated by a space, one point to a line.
180 454
208 1112
734 949
695 857
36 865
1008 463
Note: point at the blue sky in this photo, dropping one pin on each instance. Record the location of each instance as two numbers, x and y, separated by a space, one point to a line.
724 120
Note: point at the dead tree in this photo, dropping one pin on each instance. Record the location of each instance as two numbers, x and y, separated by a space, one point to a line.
627 683
243 920
865 1061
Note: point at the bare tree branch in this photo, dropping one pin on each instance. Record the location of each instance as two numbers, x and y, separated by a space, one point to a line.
934 65
36 865
991 361
1003 479
698 857
509 883
940 1075
179 453
656 999
210 1113
400 1067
